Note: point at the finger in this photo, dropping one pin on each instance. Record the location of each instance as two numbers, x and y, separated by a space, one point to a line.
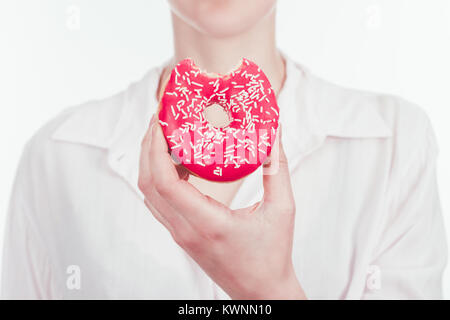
277 182
162 166
163 212
144 181
182 196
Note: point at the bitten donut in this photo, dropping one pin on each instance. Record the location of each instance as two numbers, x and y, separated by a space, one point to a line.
219 153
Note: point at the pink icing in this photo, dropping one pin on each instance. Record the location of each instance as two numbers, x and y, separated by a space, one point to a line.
219 154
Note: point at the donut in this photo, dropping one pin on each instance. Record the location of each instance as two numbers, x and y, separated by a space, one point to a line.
215 153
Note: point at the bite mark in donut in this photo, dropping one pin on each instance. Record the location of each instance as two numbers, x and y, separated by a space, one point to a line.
219 153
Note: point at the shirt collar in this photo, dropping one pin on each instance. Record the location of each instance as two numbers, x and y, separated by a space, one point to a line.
310 110
117 125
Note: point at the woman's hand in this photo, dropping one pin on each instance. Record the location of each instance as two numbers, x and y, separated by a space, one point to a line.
247 252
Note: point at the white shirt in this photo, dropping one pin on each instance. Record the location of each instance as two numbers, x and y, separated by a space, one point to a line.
368 220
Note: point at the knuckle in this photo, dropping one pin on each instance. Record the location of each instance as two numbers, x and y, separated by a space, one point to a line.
151 196
214 233
144 184
144 142
163 188
185 240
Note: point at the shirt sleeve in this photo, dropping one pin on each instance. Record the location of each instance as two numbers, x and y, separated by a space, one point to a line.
411 255
26 270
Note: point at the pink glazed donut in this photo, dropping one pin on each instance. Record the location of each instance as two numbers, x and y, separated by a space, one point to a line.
219 153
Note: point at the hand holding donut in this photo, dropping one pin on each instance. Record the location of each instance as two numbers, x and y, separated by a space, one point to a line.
247 252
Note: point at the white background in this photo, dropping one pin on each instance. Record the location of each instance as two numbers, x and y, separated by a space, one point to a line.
49 62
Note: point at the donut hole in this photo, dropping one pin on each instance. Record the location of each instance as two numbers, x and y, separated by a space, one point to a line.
216 115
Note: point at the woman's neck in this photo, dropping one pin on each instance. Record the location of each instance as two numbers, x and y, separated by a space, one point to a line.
221 55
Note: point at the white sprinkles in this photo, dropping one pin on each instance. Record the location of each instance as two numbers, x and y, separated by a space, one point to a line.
246 98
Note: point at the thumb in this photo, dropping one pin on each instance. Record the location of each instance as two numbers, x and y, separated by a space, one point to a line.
276 178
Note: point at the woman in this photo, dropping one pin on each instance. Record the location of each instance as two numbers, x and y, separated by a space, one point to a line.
355 174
